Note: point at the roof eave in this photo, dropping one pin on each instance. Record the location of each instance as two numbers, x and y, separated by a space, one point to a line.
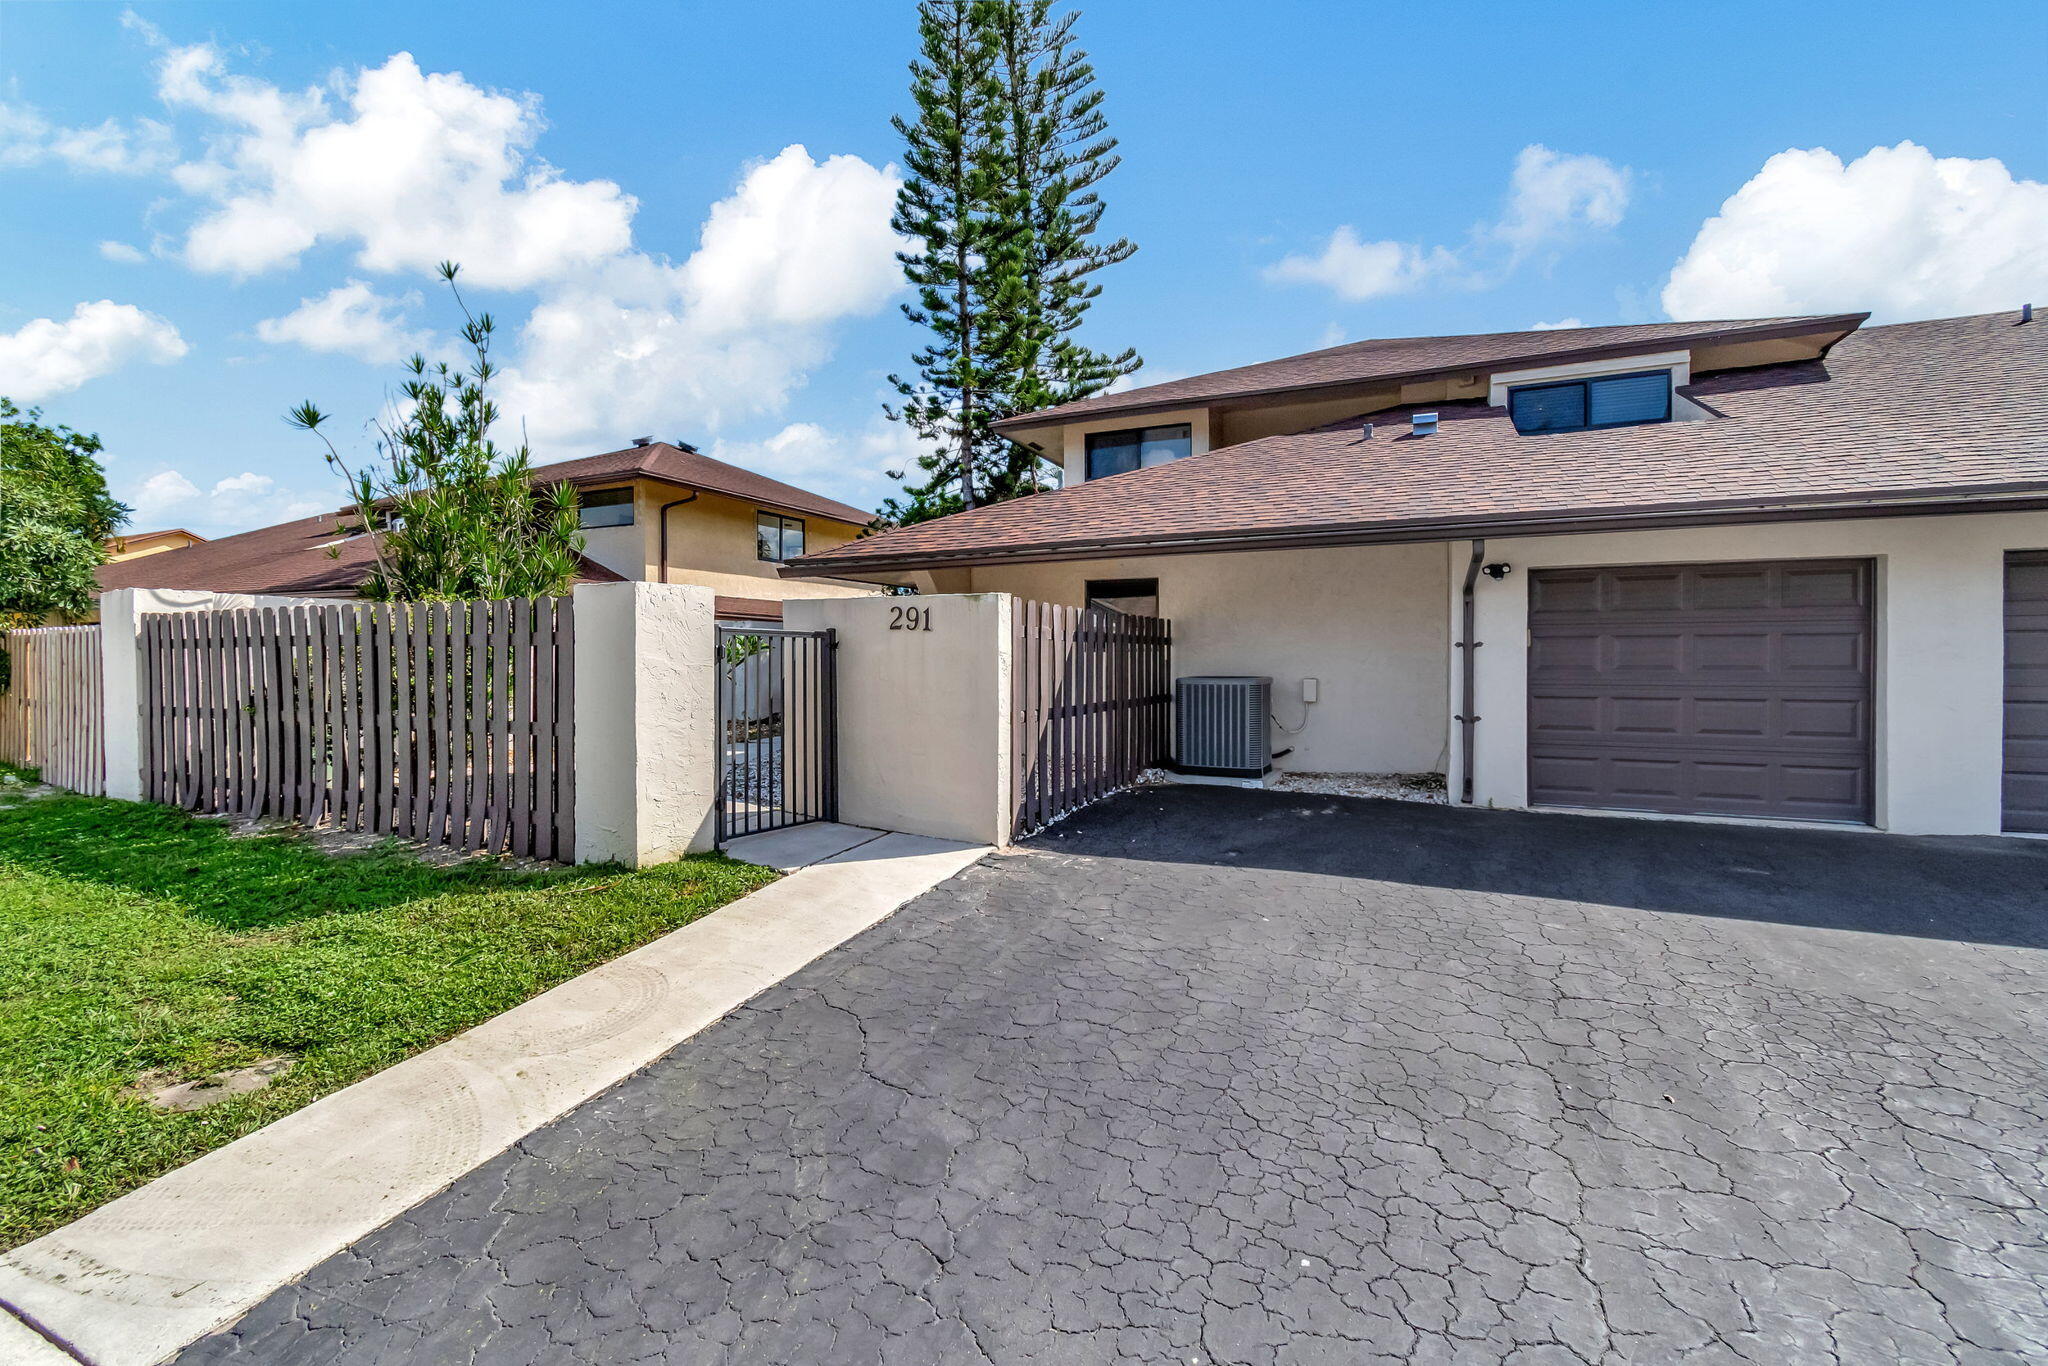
1841 323
2032 496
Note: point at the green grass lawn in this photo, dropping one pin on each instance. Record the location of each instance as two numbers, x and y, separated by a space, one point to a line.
135 938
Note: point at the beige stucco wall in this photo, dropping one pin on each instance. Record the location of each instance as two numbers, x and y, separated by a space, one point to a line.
1365 621
1940 647
924 715
646 754
711 544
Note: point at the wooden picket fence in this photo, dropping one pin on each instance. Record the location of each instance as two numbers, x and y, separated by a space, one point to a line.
50 718
451 723
1091 706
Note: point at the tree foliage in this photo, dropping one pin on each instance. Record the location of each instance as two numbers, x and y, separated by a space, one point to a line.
1002 161
950 207
456 517
55 518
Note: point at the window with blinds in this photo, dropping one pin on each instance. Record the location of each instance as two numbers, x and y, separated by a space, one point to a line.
1599 401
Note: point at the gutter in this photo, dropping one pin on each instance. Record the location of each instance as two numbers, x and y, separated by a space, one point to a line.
662 517
2029 497
1467 719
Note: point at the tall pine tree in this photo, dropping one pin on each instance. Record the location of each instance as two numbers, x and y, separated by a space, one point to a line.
951 206
1008 145
1056 149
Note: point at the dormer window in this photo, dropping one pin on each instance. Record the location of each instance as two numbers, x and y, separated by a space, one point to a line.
1597 401
1139 448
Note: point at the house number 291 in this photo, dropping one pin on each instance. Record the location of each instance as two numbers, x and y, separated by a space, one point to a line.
910 618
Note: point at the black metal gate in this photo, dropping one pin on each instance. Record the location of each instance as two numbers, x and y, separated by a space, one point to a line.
778 729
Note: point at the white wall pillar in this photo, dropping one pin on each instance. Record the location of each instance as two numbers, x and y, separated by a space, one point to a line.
121 613
646 702
924 711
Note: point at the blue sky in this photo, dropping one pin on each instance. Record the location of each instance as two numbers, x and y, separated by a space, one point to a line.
678 212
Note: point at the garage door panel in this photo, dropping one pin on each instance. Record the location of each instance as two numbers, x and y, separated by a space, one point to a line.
1825 586
1723 652
1739 689
1841 650
1646 715
1823 718
1645 590
1566 715
1822 788
1645 652
2026 691
1739 588
1732 716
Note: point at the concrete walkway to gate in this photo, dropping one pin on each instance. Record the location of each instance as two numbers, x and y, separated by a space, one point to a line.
138 1278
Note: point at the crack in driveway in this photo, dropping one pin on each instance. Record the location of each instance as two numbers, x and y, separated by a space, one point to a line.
1220 1077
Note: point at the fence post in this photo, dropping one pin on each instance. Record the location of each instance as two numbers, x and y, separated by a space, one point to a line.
646 756
121 666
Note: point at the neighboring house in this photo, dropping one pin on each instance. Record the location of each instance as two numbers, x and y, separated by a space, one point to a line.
135 544
1782 568
654 511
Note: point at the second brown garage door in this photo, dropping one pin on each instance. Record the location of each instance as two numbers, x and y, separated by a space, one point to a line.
1703 689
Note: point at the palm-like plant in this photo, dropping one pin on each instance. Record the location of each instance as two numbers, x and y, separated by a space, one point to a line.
452 516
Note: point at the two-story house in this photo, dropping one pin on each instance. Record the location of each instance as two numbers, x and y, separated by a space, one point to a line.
1784 568
654 511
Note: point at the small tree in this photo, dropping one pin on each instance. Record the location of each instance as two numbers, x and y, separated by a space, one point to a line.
55 517
452 516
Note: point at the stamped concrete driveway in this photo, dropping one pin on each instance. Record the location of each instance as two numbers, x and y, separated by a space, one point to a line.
1209 1076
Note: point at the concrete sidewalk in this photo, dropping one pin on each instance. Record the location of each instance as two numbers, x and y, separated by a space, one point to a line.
138 1278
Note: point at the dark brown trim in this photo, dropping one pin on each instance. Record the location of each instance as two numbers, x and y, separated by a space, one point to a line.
1056 417
2028 497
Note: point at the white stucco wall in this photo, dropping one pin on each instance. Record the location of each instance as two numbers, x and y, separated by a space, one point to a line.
1365 621
924 715
646 754
1940 647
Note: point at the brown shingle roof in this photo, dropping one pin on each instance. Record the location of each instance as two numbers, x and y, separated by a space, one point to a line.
290 559
1387 360
692 470
1954 408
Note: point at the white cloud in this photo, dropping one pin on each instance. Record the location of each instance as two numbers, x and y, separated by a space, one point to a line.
408 168
729 333
852 468
1551 196
1560 325
27 138
413 169
1356 271
123 253
351 320
1898 231
239 502
47 357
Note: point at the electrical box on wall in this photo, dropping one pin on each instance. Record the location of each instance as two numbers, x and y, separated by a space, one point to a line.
1311 689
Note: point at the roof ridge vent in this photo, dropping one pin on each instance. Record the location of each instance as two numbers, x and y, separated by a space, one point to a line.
1422 424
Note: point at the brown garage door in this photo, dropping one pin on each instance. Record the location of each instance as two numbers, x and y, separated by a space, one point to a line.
2026 691
1704 689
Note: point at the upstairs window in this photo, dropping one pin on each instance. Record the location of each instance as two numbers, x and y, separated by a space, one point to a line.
1599 401
1138 448
606 507
778 538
